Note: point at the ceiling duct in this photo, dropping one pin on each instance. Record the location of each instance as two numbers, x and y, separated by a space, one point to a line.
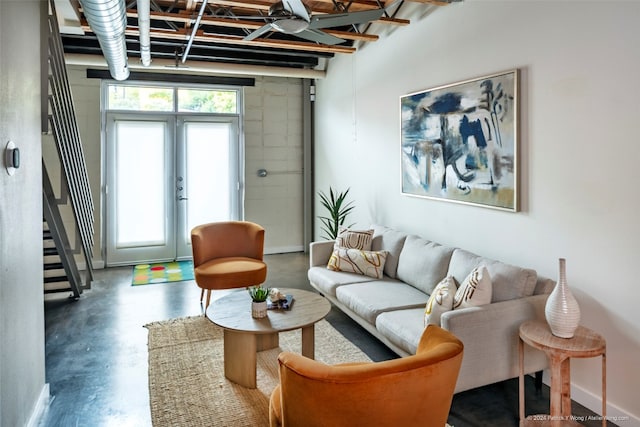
144 25
108 20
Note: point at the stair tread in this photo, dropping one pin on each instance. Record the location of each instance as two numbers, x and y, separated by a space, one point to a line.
56 279
53 266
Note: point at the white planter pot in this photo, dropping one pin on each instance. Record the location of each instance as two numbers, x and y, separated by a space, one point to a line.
258 309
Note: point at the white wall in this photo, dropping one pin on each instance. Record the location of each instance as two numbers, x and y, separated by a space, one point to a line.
579 150
22 375
273 141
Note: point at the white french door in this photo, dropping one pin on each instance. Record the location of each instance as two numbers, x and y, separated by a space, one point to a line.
208 181
165 175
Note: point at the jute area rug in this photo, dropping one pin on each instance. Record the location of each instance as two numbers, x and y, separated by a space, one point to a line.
187 386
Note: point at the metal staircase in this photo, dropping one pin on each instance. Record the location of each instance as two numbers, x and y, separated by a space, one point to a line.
59 119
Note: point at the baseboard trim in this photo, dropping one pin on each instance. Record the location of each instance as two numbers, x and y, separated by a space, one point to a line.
41 406
614 414
100 264
283 250
593 402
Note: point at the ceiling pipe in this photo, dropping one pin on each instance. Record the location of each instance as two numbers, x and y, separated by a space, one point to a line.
195 30
199 67
144 26
108 20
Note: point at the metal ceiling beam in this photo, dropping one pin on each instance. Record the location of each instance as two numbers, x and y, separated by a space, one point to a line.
194 31
204 68
240 23
78 43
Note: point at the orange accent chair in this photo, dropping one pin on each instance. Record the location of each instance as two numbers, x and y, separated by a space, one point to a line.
410 391
228 255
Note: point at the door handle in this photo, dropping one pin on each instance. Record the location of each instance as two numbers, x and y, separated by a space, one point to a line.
182 198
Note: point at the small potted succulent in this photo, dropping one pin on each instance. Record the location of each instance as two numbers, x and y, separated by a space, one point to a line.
259 296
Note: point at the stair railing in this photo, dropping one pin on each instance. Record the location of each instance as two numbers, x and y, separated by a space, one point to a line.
59 118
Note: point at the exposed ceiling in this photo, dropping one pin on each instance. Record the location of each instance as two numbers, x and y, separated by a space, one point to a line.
219 35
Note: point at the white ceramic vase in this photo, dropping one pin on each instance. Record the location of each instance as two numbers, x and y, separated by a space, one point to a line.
562 310
258 309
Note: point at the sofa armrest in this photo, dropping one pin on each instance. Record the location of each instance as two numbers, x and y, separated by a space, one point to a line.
490 334
320 252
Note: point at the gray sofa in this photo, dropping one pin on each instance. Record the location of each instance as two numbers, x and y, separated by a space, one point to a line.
392 308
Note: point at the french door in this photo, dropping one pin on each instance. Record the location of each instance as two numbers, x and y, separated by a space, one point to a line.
165 175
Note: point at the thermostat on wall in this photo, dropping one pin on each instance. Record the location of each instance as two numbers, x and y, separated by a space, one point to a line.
11 158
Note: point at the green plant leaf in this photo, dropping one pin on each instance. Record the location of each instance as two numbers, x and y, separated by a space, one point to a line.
337 206
258 293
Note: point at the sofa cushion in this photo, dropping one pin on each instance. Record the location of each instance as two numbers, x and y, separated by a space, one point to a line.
326 281
475 290
368 263
544 285
354 239
387 239
402 327
440 301
423 264
369 299
508 281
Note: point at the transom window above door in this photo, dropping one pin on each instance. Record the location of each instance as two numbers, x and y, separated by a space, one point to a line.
172 99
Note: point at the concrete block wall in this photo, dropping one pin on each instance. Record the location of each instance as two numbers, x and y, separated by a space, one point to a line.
273 141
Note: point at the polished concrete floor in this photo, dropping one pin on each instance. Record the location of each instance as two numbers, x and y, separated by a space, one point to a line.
96 351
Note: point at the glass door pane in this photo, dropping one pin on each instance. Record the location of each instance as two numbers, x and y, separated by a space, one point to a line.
140 215
138 197
208 181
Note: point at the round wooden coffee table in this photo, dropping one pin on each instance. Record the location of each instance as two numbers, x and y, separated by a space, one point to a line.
244 335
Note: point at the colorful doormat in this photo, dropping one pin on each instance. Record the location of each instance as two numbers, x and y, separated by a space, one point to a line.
163 272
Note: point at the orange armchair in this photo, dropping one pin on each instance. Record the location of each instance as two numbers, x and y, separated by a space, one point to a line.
228 255
410 391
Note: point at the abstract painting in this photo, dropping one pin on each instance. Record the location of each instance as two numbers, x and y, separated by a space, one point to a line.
459 142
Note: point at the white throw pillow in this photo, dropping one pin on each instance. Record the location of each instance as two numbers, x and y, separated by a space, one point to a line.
475 289
354 239
368 263
440 301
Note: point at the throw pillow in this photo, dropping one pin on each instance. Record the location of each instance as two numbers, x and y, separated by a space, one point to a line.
475 289
440 301
368 263
354 239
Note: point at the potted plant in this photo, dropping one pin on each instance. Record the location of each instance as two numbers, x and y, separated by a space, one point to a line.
338 211
259 296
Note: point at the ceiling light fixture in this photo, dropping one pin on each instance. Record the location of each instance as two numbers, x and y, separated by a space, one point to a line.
290 26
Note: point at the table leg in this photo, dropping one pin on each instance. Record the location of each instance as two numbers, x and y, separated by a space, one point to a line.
566 388
308 341
521 380
604 389
240 358
555 394
267 341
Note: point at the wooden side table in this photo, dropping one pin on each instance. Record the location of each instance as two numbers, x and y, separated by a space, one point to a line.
585 343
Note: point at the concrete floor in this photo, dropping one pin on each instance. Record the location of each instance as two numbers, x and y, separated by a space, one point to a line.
96 351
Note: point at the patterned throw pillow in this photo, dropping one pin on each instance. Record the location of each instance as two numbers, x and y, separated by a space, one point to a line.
440 301
475 289
368 263
354 239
